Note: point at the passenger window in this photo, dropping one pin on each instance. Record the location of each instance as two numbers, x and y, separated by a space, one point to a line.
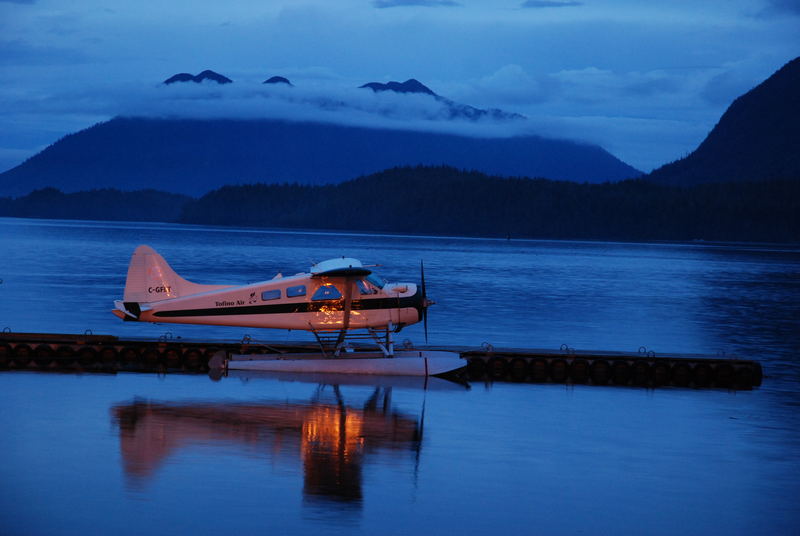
271 294
293 292
327 292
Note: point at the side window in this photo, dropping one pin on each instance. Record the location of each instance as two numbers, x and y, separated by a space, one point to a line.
293 292
271 294
327 292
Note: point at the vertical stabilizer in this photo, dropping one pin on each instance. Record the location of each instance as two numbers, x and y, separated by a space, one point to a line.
151 279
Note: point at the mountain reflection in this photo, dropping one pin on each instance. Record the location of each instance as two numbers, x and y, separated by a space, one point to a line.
331 439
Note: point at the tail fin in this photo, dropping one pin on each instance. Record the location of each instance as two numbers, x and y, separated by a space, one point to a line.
150 279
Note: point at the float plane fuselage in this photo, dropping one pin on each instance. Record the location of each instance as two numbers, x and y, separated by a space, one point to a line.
335 295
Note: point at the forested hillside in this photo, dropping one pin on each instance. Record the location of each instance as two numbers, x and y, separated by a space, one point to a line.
757 138
143 205
444 200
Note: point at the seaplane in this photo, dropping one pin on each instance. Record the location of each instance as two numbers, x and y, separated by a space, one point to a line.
332 300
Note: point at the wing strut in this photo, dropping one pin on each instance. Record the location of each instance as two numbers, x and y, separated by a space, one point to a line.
348 307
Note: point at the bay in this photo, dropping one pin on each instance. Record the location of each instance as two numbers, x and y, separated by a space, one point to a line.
173 454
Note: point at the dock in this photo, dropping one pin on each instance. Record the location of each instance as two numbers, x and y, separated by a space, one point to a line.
110 354
643 368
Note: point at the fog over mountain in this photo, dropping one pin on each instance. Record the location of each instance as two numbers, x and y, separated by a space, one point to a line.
193 156
191 136
405 105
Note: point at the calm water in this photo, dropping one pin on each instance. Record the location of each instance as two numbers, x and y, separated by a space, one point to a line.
139 453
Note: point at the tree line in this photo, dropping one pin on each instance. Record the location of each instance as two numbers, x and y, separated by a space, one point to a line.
105 204
445 200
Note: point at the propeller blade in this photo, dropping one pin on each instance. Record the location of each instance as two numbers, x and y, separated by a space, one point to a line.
425 323
424 301
422 275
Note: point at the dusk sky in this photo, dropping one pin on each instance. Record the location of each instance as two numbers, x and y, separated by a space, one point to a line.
646 81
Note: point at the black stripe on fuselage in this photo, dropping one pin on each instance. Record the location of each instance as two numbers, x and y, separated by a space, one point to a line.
364 304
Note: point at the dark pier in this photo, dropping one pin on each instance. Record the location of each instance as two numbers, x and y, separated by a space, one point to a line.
107 353
643 368
110 354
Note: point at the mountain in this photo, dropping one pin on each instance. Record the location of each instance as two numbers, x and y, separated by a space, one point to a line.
409 86
205 75
193 156
454 110
277 80
757 138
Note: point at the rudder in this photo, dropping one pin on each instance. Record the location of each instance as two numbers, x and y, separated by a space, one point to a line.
151 279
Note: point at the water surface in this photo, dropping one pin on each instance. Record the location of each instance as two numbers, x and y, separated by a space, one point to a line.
130 453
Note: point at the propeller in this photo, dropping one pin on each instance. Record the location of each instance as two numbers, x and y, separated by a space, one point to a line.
425 301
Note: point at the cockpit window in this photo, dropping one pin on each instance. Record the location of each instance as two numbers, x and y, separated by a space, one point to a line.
362 287
378 282
327 292
293 292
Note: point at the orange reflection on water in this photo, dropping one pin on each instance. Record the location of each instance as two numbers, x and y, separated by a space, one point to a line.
330 440
332 447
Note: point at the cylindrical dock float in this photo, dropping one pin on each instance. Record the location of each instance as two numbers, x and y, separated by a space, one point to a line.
643 369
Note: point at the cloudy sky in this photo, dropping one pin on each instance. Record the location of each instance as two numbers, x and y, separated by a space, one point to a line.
646 80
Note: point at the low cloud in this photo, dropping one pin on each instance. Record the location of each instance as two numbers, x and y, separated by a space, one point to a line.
535 4
646 118
381 4
780 7
15 52
732 79
340 105
510 86
631 114
594 84
252 100
513 86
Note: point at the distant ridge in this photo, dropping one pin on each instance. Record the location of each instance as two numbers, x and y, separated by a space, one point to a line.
757 138
193 156
409 86
454 110
447 201
106 204
277 80
443 200
205 75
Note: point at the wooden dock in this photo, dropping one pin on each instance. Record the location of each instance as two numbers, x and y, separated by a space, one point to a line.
109 354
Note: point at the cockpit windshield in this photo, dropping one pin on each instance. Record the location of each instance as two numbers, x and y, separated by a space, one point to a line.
375 280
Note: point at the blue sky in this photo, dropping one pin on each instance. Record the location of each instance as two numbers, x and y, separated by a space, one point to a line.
647 81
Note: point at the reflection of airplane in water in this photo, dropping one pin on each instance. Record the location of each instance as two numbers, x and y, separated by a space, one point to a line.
330 437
